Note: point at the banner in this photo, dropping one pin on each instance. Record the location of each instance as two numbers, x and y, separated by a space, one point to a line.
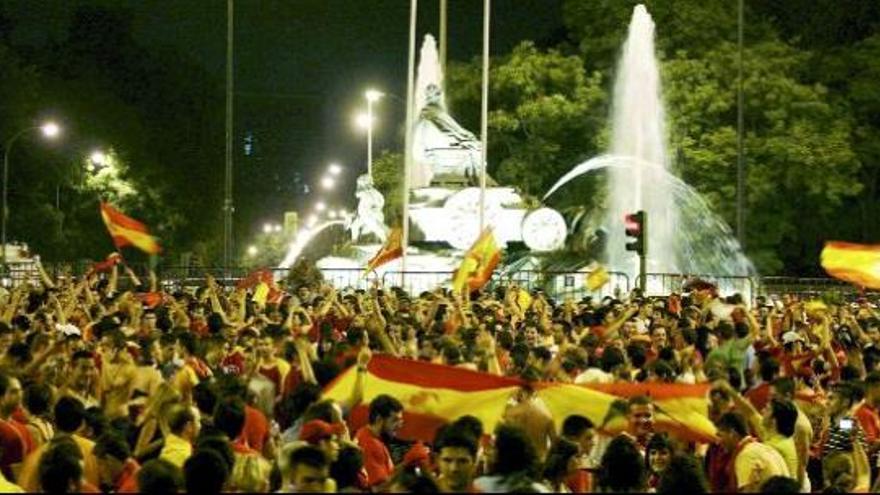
127 231
433 395
855 263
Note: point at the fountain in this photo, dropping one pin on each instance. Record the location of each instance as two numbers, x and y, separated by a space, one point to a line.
684 235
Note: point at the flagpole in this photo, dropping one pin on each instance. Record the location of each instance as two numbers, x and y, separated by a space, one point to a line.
484 113
408 142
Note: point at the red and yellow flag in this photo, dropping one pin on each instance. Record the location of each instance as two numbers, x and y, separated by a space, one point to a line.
434 394
392 250
127 231
856 263
478 263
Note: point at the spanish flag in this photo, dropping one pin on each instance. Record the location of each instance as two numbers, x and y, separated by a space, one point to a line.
392 250
433 395
127 231
478 263
856 263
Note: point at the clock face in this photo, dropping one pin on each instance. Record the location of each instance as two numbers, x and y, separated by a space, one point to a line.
544 230
462 212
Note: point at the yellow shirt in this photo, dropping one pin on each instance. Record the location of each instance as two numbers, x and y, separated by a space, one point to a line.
757 463
788 451
176 450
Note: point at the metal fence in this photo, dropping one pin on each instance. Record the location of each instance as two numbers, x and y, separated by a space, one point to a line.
559 284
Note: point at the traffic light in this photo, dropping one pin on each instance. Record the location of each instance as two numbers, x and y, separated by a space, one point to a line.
635 232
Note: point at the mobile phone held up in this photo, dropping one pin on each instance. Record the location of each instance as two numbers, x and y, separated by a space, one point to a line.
846 424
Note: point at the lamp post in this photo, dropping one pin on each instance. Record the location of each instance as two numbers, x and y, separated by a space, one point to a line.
49 130
372 96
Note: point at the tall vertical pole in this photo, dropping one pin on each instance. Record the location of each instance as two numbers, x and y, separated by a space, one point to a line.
740 159
443 16
408 152
370 137
227 201
484 112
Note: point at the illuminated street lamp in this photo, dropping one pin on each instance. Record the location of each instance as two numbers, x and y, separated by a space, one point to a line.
328 183
334 169
252 250
320 206
49 130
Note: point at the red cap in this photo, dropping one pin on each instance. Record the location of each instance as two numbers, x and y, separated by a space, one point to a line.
316 430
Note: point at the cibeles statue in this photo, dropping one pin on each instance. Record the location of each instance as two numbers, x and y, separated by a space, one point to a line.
369 218
444 152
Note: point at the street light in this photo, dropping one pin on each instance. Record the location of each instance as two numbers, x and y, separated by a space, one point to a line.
331 214
98 158
328 183
267 228
334 169
277 228
372 96
320 206
49 130
252 250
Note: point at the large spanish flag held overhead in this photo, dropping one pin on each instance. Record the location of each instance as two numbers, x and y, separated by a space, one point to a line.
478 264
856 263
127 231
433 395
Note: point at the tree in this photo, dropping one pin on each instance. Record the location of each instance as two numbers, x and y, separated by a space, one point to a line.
546 116
388 179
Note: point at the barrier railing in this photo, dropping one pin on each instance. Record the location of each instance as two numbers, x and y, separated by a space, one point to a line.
559 284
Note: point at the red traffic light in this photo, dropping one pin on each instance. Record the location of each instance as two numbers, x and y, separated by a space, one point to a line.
633 223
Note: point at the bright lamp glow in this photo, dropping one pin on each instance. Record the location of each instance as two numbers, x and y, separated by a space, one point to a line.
267 228
320 206
334 169
328 183
98 158
364 121
373 95
277 227
343 213
50 129
313 220
252 250
331 214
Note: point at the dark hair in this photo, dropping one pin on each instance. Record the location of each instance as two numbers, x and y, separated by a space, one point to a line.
82 354
324 410
37 398
308 455
179 418
612 357
784 415
160 477
622 468
683 475
514 452
69 414
660 441
455 436
205 472
872 379
470 424
112 444
205 396
556 465
96 420
769 369
781 484
60 467
229 416
848 391
218 444
575 425
4 383
347 467
384 406
733 422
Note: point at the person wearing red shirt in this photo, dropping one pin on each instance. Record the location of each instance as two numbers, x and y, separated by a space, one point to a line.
759 395
386 417
116 468
10 402
580 430
868 411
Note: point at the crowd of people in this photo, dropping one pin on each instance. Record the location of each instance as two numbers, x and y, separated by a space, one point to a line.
105 389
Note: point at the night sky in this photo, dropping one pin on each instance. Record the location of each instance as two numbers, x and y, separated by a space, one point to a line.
301 67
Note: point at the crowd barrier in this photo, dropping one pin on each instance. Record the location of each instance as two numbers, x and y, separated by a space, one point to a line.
558 284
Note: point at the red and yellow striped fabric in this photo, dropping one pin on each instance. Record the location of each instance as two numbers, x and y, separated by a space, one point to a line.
435 394
127 231
855 263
